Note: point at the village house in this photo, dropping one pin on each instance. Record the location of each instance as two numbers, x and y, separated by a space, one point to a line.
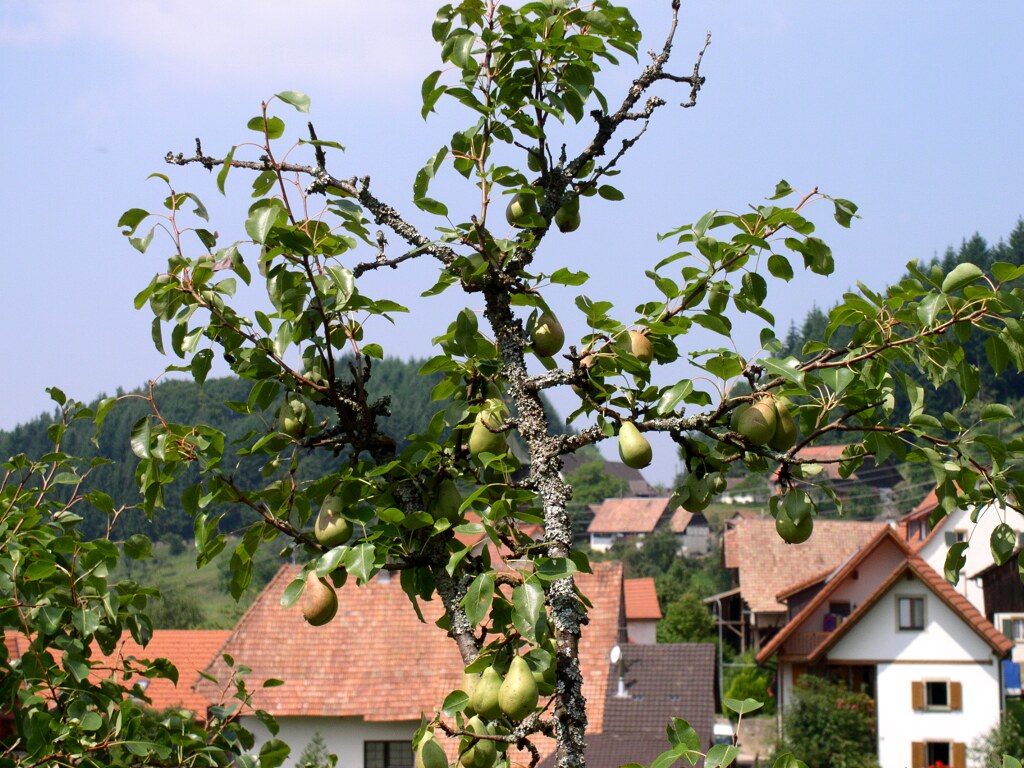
763 566
636 517
888 624
642 610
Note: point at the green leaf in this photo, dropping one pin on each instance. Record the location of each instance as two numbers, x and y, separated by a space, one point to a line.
131 219
1010 762
455 701
222 174
262 217
297 99
844 211
359 562
961 276
479 596
720 756
779 266
610 193
273 753
292 592
1003 541
996 412
681 734
786 760
140 438
528 609
742 707
566 276
956 559
273 126
782 189
673 396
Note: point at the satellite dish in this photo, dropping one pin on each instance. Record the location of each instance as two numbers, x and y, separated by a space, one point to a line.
615 655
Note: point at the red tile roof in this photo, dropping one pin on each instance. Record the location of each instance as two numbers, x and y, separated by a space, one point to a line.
641 599
190 650
768 566
631 515
913 563
376 660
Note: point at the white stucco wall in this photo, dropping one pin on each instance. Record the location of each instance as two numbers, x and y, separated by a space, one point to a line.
344 736
900 725
946 649
642 631
979 554
946 636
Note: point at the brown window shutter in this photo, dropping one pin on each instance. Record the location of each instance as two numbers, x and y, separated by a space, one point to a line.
959 754
956 696
917 695
917 755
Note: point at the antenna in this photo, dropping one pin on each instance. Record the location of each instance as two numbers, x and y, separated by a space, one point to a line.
616 658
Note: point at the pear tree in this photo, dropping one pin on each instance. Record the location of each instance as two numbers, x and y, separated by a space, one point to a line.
486 463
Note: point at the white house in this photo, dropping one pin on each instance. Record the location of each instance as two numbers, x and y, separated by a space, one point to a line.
642 610
636 517
887 623
932 542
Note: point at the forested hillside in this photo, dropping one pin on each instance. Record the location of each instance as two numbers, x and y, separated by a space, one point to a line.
185 402
1004 384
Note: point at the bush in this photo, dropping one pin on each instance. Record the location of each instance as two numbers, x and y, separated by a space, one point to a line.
829 726
753 682
1007 738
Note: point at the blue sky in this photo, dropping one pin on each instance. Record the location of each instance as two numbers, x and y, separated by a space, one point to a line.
913 110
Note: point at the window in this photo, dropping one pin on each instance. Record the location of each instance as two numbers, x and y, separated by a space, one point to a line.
1013 628
937 695
938 752
840 609
387 754
955 537
911 613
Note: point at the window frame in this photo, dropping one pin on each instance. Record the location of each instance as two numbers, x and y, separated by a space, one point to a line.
389 745
911 627
929 706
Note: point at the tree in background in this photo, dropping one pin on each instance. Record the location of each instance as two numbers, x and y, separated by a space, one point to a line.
829 726
59 605
687 620
311 351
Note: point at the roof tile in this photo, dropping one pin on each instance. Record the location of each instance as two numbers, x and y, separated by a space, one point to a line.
628 515
641 599
768 566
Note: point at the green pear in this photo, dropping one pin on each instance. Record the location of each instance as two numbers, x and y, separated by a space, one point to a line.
758 422
785 427
484 700
793 531
469 681
548 336
481 438
331 528
634 450
519 206
641 347
319 601
481 754
430 754
445 502
518 694
293 417
567 217
737 412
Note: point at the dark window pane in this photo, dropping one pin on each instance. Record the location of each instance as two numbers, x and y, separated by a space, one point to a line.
937 694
